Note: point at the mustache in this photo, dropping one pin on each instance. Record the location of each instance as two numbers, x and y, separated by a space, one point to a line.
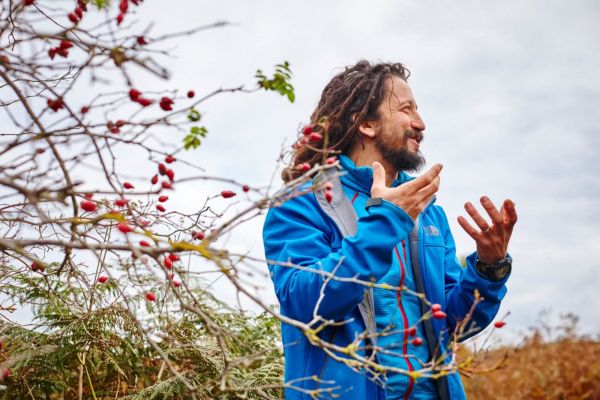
415 135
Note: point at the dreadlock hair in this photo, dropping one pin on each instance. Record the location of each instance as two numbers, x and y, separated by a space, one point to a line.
350 98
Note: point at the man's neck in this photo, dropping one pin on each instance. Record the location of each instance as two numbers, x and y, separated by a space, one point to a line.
366 157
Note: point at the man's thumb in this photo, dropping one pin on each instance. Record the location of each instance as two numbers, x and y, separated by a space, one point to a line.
378 174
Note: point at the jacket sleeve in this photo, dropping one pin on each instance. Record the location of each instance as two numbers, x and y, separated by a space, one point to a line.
298 232
460 285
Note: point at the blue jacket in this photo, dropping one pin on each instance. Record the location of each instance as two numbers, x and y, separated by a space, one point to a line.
298 231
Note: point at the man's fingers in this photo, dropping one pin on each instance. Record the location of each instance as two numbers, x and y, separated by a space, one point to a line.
467 227
491 210
431 189
479 220
427 177
509 212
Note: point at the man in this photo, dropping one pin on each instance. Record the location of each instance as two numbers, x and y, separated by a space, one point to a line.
369 117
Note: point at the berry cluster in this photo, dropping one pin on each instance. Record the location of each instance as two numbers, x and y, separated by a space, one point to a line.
62 50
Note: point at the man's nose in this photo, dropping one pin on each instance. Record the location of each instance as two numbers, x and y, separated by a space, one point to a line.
417 123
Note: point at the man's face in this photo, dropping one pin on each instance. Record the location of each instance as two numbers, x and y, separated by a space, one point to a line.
400 128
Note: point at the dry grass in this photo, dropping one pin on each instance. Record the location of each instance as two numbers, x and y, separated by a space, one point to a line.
567 367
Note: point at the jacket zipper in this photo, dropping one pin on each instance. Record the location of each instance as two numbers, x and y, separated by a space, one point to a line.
411 380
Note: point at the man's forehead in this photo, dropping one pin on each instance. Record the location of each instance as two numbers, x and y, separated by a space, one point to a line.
398 91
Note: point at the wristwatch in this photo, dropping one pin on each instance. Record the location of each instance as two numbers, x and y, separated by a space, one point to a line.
496 271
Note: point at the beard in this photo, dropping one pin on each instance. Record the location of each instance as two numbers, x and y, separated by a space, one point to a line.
399 156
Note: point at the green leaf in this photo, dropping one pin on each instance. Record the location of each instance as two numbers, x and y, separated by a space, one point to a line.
192 140
194 115
280 81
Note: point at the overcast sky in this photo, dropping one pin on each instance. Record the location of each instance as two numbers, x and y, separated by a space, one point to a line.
509 91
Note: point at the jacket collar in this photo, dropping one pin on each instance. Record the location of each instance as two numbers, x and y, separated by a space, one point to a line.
361 178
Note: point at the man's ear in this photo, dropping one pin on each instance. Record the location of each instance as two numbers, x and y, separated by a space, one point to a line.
369 128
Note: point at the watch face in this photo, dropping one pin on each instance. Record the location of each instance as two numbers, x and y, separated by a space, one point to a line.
496 271
503 270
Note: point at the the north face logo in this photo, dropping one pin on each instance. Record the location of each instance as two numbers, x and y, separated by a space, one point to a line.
431 230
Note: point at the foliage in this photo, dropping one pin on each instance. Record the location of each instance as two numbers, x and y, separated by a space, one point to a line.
549 363
112 273
280 81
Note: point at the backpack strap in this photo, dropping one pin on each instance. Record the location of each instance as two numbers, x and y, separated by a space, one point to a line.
342 213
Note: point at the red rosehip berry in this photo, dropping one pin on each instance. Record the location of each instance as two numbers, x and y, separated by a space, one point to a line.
89 206
226 194
123 5
162 168
141 40
52 53
439 315
85 109
144 102
162 199
79 12
307 130
245 188
412 331
436 307
331 160
417 341
499 324
303 167
64 53
128 185
144 243
73 18
102 279
166 104
176 283
154 179
28 2
171 174
168 263
120 18
89 196
171 276
66 44
114 130
120 123
191 94
328 196
134 94
5 373
328 186
169 159
55 105
198 235
173 257
124 227
150 296
37 267
161 208
166 185
315 137
40 150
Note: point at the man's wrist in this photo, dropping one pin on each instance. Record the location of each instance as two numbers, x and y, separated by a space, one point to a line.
495 271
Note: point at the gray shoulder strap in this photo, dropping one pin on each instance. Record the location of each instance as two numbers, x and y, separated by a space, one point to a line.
342 212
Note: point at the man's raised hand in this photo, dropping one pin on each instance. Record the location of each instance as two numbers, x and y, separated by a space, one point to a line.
412 196
491 241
